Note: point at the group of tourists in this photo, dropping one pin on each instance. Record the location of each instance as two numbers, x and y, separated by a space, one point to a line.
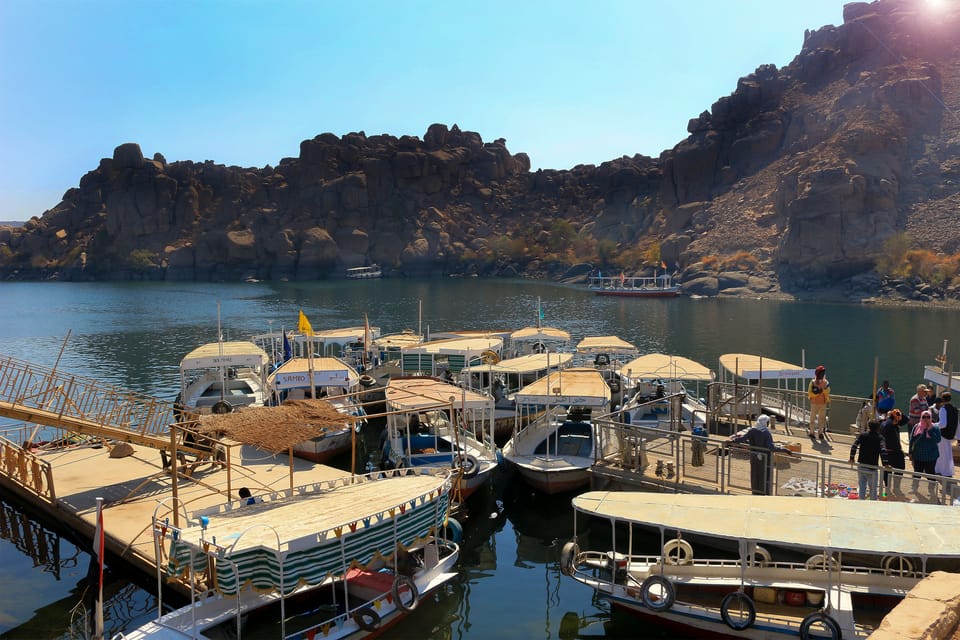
932 423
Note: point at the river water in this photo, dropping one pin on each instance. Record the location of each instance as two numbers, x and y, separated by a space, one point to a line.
134 335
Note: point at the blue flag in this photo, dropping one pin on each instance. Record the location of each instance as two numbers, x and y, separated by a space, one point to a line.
287 347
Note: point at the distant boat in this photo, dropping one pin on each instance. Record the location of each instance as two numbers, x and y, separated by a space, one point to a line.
364 273
661 286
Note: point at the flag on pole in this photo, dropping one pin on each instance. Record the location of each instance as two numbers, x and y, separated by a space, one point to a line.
367 339
95 573
287 347
304 325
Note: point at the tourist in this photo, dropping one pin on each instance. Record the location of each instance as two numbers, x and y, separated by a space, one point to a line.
761 462
890 430
948 433
885 400
918 404
246 496
872 451
819 394
924 447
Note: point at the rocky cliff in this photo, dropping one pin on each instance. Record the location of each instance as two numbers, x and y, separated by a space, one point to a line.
799 178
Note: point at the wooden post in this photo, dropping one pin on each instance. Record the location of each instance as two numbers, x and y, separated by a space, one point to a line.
229 483
291 471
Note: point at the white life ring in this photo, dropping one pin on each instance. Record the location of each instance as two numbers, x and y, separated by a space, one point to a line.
746 606
677 551
405 583
896 565
761 557
821 562
658 593
830 625
469 465
568 558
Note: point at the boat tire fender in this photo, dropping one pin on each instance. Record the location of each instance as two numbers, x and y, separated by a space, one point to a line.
677 551
660 601
831 626
402 583
367 619
453 531
821 562
745 602
470 465
221 407
761 557
568 557
367 381
897 565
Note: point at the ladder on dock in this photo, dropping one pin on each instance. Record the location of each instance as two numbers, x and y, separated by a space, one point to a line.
32 393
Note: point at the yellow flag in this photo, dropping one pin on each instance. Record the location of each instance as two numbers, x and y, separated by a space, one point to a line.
304 325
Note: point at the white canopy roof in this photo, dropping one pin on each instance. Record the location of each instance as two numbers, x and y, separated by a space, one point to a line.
752 367
864 526
572 387
411 394
466 346
945 379
538 334
525 364
241 353
343 335
605 344
398 340
327 372
666 367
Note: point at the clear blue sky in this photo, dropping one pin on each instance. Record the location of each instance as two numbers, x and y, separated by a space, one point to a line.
244 82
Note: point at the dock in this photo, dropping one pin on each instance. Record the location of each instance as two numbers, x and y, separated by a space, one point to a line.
129 450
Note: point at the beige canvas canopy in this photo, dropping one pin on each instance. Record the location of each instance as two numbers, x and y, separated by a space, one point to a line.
570 387
862 526
530 363
665 367
241 353
421 392
752 367
469 347
398 340
605 344
327 372
537 334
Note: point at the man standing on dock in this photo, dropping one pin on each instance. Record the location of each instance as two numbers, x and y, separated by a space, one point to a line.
819 394
873 449
762 448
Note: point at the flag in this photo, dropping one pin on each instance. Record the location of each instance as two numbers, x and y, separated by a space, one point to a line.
95 573
367 338
304 325
287 347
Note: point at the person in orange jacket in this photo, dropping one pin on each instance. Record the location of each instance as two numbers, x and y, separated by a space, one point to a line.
819 394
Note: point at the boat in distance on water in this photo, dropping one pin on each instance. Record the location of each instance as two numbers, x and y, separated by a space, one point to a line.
838 591
364 273
660 286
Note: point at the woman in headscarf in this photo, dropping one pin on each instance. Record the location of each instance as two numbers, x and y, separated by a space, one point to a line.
925 444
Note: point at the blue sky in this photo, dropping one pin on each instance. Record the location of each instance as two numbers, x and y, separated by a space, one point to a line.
243 82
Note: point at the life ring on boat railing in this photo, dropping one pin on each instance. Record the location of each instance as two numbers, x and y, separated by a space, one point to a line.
568 557
539 347
452 530
746 606
489 357
601 360
366 618
221 407
821 562
658 593
367 381
896 565
677 551
469 465
405 583
761 557
830 625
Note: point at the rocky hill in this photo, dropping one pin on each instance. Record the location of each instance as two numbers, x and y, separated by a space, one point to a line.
804 177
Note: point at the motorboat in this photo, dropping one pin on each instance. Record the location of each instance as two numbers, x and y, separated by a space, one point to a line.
364 273
842 565
504 378
219 377
345 558
328 378
554 452
431 422
662 391
658 286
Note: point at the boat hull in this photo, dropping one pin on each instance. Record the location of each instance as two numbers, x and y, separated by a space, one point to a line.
322 450
546 477
631 293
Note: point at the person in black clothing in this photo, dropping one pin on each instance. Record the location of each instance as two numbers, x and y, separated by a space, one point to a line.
947 421
762 448
872 450
890 430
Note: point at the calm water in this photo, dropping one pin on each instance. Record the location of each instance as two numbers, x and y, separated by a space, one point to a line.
134 335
